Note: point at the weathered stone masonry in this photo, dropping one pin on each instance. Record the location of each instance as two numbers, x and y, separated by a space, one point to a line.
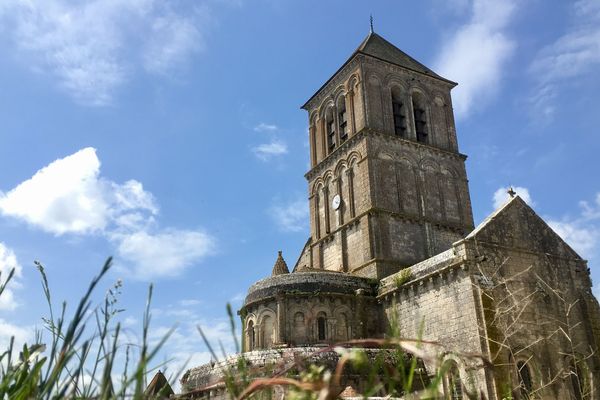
392 242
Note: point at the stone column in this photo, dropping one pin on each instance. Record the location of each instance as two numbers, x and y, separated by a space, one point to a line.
360 314
326 206
350 175
339 212
411 130
322 133
336 122
317 214
281 318
350 102
312 132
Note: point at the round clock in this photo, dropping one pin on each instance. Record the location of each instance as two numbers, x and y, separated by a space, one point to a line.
336 202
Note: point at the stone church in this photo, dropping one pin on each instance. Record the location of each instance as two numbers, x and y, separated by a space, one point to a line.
392 241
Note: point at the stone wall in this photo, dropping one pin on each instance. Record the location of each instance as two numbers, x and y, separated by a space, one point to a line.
301 309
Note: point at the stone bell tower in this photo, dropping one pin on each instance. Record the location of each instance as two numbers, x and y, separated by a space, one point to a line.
387 184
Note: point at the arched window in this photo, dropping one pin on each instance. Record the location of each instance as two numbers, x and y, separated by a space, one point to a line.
342 118
268 330
342 327
321 327
251 336
454 389
525 381
330 127
420 117
398 111
299 333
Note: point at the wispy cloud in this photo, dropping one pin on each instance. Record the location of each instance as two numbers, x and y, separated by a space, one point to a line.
69 196
582 232
476 53
93 47
267 151
501 196
264 127
292 216
574 54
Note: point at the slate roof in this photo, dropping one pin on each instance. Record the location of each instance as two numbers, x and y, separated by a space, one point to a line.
377 47
280 266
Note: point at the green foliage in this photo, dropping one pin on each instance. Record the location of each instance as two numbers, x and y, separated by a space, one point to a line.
73 364
402 277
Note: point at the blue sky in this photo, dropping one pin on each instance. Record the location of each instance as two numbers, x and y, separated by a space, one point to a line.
169 134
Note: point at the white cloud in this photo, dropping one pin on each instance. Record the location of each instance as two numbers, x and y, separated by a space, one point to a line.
572 55
22 335
70 197
189 302
264 127
267 151
8 262
581 232
292 217
582 238
477 53
501 196
174 38
163 254
93 47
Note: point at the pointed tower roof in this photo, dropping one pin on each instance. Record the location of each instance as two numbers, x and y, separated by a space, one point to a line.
377 47
159 386
280 266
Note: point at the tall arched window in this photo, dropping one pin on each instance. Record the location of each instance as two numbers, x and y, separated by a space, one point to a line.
420 117
342 327
330 127
398 111
251 336
299 328
525 381
268 331
342 118
454 389
321 327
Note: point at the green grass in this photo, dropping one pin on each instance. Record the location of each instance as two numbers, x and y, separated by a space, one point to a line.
85 357
78 361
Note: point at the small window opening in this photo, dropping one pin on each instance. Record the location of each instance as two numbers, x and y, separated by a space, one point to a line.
525 382
330 134
399 119
343 123
420 124
321 328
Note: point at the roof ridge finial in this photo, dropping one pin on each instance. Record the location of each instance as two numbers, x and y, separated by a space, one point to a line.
511 192
371 22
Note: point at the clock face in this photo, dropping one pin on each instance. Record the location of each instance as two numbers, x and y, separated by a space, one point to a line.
335 203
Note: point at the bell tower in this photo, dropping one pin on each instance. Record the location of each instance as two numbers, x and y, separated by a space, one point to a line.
387 185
